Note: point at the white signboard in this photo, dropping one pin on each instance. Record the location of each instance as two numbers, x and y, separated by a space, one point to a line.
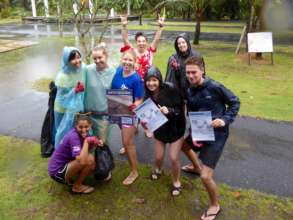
150 114
201 129
260 42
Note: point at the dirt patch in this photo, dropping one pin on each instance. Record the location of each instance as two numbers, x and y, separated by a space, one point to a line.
244 57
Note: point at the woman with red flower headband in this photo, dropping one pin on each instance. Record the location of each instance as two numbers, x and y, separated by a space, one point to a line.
143 52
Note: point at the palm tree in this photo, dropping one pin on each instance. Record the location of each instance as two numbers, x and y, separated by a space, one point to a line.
198 7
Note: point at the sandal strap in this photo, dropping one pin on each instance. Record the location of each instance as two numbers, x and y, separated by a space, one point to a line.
176 189
155 174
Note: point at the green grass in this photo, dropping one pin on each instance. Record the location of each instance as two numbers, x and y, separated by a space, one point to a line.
26 192
10 20
186 28
42 84
205 23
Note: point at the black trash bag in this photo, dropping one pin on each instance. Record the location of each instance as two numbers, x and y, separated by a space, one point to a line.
104 162
47 139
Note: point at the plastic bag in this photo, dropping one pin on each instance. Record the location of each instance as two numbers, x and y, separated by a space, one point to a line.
104 162
48 133
73 104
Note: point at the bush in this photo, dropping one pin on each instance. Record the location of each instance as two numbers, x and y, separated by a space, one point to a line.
5 13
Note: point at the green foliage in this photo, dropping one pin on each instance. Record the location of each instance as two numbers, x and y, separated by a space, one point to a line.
5 13
4 8
229 9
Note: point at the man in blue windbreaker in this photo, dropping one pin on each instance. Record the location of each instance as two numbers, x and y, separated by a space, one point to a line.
205 94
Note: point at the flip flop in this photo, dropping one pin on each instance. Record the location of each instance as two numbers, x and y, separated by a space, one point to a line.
176 191
206 215
187 169
122 151
129 180
83 190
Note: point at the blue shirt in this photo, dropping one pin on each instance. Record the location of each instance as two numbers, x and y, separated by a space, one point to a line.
132 82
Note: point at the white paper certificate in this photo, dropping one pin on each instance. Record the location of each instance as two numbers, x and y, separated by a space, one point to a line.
201 129
149 113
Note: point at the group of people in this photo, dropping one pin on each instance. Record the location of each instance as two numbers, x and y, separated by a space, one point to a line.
81 120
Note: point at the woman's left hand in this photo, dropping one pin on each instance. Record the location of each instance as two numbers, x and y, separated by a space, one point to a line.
164 110
161 21
217 123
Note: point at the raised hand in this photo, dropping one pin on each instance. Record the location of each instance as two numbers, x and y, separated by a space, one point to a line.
161 21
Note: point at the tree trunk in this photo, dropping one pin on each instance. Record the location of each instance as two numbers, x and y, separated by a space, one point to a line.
140 16
60 18
197 29
140 19
189 14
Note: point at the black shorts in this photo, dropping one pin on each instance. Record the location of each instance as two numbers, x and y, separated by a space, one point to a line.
60 175
211 151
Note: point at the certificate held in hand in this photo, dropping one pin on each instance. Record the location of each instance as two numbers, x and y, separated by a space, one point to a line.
201 129
151 115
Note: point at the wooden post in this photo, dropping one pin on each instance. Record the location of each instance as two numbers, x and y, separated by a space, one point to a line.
272 58
249 58
241 39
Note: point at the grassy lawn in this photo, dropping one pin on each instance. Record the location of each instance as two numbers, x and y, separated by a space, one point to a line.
205 23
10 20
186 28
265 91
26 192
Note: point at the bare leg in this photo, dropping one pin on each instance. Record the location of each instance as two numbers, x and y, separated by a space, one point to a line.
75 167
174 152
128 142
211 187
159 154
192 156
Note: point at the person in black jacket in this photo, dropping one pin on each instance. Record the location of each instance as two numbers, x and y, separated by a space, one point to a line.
205 94
176 66
170 103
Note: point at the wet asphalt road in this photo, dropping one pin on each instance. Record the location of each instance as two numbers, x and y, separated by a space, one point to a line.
258 154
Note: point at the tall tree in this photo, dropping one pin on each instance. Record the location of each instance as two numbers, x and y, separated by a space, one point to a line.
199 7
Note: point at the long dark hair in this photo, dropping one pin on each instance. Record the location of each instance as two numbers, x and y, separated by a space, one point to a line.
72 55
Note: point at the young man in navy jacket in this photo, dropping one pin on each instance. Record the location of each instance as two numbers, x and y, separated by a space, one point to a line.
205 94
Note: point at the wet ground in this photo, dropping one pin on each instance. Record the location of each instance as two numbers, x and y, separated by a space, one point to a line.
258 154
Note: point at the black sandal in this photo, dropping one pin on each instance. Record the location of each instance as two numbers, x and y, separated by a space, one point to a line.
176 191
214 215
155 175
